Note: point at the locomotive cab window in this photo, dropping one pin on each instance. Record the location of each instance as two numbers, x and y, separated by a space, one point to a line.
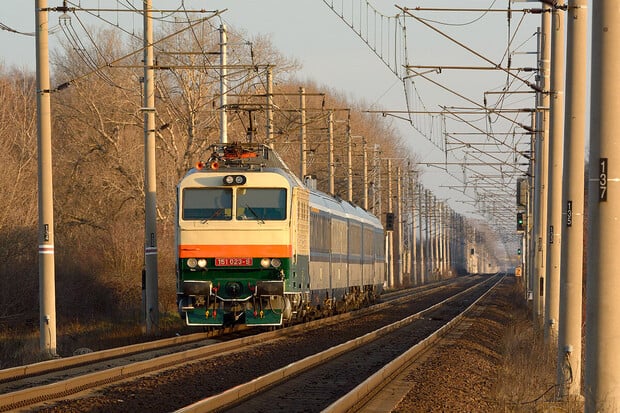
207 204
261 204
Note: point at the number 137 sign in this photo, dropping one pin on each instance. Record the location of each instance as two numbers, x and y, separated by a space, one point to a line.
602 180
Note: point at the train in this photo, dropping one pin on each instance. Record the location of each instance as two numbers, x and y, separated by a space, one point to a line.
258 246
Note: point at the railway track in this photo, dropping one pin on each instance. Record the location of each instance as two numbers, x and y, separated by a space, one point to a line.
42 386
333 380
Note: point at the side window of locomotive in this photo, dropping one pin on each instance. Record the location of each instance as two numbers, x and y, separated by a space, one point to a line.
262 204
207 204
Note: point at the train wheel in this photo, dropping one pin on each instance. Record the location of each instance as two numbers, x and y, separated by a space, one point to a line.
287 311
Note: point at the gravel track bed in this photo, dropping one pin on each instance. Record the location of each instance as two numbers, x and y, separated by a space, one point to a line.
460 375
335 378
174 388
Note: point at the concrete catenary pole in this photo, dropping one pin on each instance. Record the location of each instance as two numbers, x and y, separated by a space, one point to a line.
542 156
414 241
331 165
399 228
406 228
302 133
602 367
427 236
436 237
150 188
443 236
269 109
571 269
349 159
448 239
47 287
533 208
223 85
390 234
365 197
429 243
556 159
439 215
430 230
376 181
430 233
421 235
472 249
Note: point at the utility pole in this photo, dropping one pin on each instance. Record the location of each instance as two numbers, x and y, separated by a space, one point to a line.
223 85
602 367
302 133
571 274
556 158
47 286
150 188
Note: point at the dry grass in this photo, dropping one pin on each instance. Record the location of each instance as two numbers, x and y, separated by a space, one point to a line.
22 347
527 380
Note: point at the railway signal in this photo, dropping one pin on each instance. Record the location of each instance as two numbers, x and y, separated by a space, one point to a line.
389 221
520 224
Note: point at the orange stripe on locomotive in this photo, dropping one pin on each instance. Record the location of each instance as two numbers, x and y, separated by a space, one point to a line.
235 251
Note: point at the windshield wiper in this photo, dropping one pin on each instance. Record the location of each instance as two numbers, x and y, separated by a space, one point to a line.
215 214
258 217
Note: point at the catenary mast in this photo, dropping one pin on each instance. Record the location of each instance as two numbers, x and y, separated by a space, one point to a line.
602 367
47 288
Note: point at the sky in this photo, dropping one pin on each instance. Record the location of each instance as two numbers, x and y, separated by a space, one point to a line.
307 30
333 55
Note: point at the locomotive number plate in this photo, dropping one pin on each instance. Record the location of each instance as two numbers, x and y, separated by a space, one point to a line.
233 262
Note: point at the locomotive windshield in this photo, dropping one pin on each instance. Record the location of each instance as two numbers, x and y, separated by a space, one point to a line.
258 204
261 204
207 204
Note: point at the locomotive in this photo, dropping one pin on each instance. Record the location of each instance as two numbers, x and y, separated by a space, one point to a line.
256 245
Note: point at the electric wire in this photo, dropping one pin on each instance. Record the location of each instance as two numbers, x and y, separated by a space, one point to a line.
468 23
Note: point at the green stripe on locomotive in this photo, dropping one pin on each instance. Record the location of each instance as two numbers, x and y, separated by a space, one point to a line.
234 282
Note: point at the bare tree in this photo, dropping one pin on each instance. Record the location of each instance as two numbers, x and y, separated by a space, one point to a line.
18 204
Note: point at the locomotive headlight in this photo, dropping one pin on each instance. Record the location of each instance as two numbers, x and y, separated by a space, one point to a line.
234 180
192 262
202 263
270 262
